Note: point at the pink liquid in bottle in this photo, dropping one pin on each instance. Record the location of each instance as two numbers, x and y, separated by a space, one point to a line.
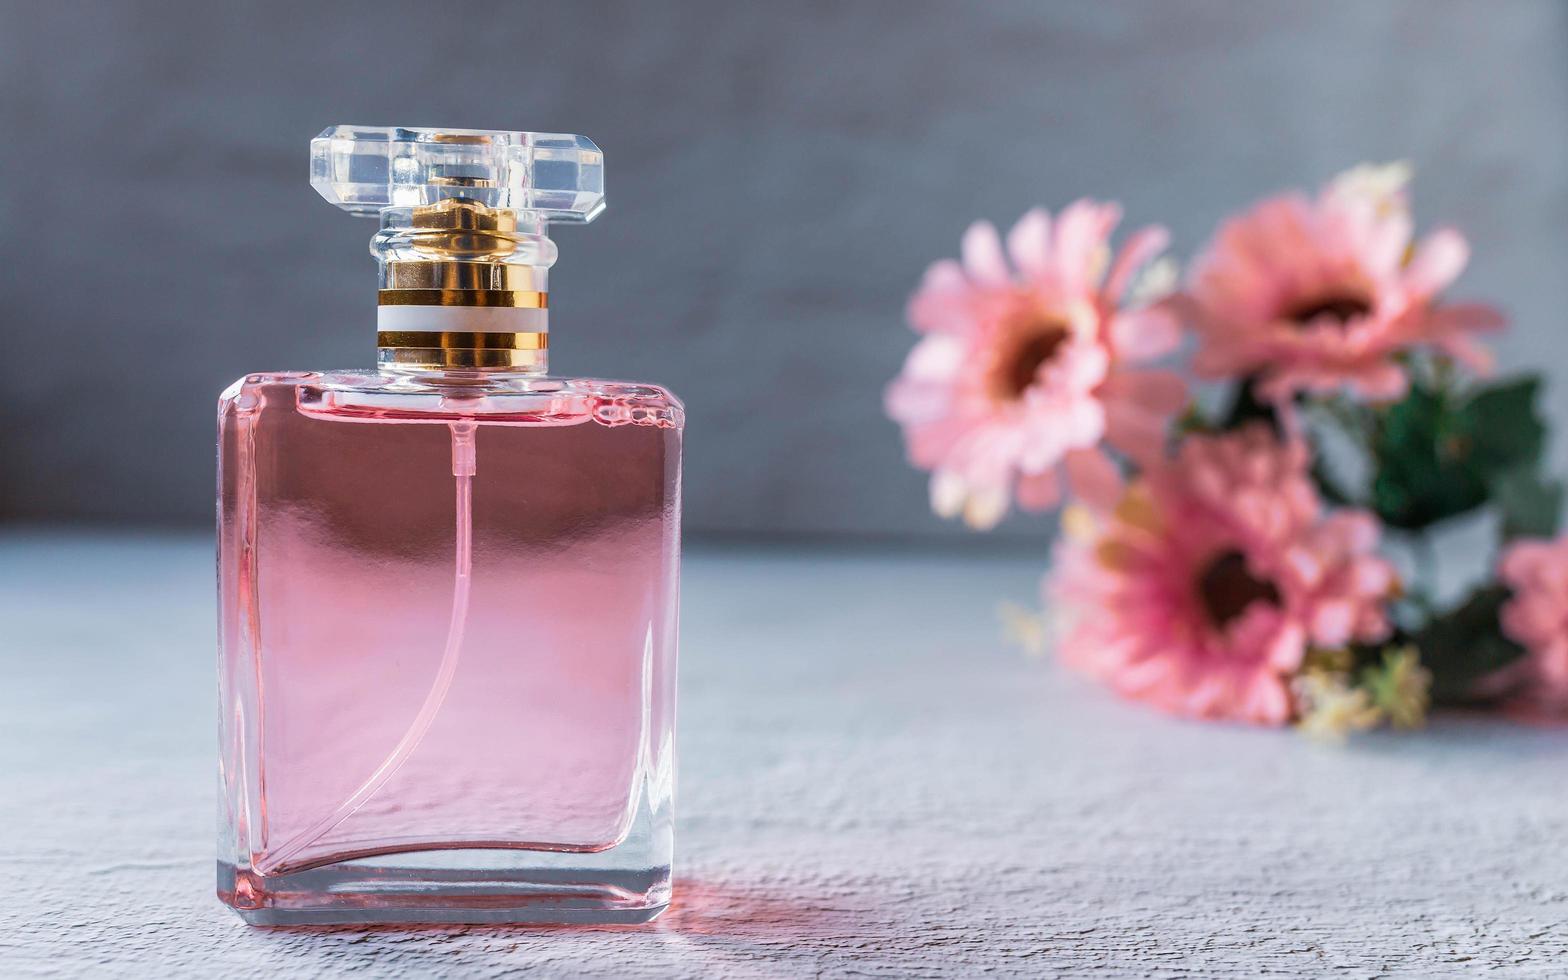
448 624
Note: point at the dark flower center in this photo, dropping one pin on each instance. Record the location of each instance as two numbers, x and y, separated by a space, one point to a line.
1016 370
1226 588
1343 307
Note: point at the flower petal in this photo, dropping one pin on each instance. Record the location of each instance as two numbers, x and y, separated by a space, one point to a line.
983 258
1094 479
1154 391
1029 243
1438 260
945 301
1079 249
1143 335
1039 491
985 507
1138 433
948 493
1140 249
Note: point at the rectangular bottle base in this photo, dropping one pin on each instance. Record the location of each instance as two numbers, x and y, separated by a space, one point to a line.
370 891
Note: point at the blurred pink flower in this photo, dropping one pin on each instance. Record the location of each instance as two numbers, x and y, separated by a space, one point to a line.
1023 369
1537 618
1204 588
1321 294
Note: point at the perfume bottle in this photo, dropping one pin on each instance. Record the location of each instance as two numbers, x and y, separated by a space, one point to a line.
448 585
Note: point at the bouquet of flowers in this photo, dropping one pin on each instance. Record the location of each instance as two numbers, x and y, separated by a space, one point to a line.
1258 547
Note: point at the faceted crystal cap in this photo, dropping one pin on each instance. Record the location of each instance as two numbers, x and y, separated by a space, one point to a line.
363 169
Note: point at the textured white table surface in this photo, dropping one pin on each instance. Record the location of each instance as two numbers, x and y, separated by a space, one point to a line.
872 784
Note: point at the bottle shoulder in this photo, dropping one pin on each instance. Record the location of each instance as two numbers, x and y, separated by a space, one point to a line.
375 395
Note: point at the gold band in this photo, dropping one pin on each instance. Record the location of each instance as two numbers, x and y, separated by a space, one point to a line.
461 340
429 358
512 298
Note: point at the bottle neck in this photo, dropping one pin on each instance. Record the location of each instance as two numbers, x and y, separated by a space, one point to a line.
463 287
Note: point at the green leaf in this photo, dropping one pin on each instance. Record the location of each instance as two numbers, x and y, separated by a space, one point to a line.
1508 436
1528 502
1437 455
1503 426
1465 644
1422 466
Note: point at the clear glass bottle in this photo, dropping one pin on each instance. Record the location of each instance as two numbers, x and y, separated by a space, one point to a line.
448 586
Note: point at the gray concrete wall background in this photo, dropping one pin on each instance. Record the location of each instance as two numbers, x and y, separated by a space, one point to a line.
779 175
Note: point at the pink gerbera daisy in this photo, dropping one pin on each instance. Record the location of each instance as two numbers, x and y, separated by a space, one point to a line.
1537 618
1317 295
1203 590
1023 369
